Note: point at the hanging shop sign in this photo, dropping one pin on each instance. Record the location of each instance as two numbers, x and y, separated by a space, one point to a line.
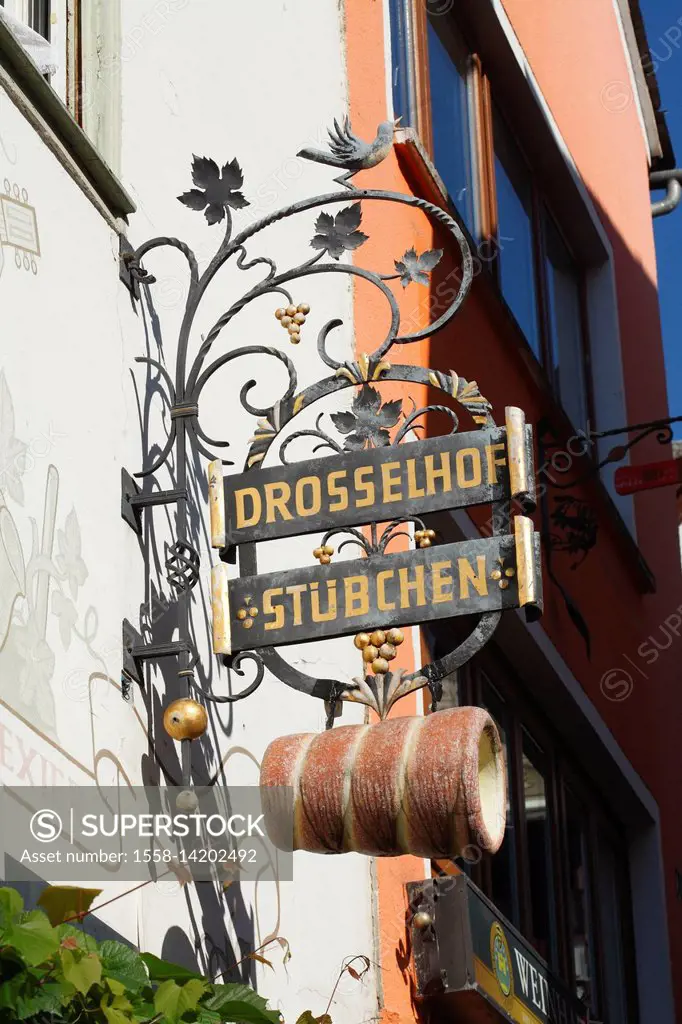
376 485
467 957
381 477
391 483
392 590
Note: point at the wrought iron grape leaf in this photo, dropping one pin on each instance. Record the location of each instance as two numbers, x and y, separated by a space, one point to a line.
367 421
339 234
216 189
417 268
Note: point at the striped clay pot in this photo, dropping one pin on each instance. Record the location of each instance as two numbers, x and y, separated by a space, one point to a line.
430 786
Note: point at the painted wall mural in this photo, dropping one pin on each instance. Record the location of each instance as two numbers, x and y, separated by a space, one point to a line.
18 228
37 581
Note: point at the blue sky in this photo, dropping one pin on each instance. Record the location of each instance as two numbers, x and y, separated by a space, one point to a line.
663 19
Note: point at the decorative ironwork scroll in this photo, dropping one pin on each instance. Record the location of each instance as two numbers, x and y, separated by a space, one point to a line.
371 423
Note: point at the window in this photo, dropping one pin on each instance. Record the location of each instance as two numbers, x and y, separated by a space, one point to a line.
33 13
537 818
450 120
515 248
561 874
440 88
564 305
77 47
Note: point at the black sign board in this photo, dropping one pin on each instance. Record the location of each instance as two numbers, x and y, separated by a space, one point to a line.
471 957
351 596
376 485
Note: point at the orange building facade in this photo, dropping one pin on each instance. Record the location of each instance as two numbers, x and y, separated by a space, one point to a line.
537 125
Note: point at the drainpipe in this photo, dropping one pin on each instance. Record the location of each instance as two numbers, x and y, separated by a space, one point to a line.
672 182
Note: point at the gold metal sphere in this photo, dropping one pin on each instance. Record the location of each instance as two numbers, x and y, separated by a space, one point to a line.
370 653
378 637
185 719
380 666
387 651
286 321
422 920
291 310
186 800
279 313
361 641
303 307
395 637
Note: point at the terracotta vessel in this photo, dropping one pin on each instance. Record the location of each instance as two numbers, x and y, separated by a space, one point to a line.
430 786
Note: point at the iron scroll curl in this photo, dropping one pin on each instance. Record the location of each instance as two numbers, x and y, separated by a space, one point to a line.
218 195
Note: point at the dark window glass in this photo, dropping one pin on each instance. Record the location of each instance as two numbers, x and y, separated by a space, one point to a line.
450 118
515 234
567 370
401 60
502 886
613 906
579 919
538 842
34 13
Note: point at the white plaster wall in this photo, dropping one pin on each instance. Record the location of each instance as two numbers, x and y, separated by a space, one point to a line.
223 80
69 569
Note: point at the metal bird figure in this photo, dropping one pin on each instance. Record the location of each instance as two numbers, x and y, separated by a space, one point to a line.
350 152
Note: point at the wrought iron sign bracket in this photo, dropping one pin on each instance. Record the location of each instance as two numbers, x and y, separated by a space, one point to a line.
484 464
136 652
133 501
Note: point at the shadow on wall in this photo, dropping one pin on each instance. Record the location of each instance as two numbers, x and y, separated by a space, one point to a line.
210 949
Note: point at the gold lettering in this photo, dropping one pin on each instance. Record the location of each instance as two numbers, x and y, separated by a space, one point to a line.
330 614
389 481
493 461
356 594
440 582
316 494
273 609
382 604
475 456
239 500
362 485
477 576
433 474
296 592
407 586
337 492
412 490
276 498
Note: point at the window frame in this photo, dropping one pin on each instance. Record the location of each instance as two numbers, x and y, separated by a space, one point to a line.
491 669
412 48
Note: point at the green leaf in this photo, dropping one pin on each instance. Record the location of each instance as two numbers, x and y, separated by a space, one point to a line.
114 1016
308 1018
66 901
124 965
83 970
174 1000
11 904
240 1004
25 998
33 937
205 1016
160 970
72 936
